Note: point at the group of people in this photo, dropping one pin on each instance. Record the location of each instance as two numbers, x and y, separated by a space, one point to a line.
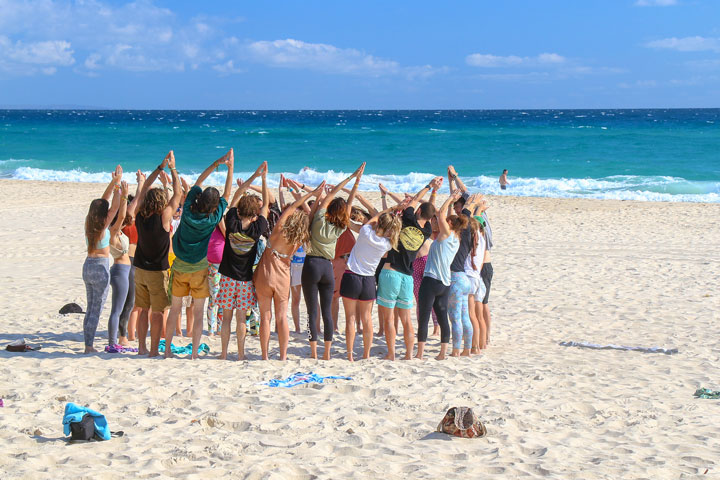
177 246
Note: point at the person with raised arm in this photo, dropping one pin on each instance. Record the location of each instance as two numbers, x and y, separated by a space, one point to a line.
329 219
395 285
462 331
272 275
153 222
120 271
216 245
473 268
96 269
298 258
245 222
435 286
358 288
127 324
202 211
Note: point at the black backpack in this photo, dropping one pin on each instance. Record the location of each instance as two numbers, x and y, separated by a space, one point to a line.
84 429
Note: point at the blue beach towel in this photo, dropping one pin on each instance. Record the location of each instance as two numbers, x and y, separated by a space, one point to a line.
186 350
299 378
75 413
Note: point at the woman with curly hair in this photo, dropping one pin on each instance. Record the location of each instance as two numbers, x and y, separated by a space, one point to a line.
153 223
357 287
96 269
272 275
245 222
330 218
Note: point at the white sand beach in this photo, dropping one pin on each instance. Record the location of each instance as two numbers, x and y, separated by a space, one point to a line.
629 273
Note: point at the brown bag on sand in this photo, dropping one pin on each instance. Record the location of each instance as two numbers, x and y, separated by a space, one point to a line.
462 422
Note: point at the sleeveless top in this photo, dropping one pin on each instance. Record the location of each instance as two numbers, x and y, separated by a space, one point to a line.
103 242
124 246
153 244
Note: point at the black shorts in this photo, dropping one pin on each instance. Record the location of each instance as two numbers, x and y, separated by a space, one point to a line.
357 287
503 187
486 273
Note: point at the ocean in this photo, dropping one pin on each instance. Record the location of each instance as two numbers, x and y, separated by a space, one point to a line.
656 155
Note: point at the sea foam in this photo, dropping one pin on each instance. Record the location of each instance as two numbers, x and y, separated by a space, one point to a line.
619 187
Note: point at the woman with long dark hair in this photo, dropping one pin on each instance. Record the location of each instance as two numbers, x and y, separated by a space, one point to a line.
96 269
330 217
153 223
435 287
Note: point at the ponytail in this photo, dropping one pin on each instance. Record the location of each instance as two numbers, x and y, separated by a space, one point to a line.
390 225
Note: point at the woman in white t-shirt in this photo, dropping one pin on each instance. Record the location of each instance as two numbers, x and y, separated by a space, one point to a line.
358 287
473 265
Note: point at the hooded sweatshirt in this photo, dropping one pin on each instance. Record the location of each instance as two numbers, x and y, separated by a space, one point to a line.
190 242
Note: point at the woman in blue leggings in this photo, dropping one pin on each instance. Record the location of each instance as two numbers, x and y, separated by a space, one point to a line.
96 269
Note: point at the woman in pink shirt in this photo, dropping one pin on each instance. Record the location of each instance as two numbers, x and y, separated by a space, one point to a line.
214 257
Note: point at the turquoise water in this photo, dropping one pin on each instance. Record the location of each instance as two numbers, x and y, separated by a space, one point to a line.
623 154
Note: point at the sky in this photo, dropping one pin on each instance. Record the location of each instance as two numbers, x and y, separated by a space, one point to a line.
154 54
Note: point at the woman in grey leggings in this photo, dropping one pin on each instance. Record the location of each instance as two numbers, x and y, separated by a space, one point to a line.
96 269
122 274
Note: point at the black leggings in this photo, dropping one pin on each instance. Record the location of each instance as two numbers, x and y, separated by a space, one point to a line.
433 295
318 277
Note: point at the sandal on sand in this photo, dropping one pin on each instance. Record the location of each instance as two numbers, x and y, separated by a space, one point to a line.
19 345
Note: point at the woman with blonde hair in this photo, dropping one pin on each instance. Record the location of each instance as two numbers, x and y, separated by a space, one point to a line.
96 269
358 286
272 275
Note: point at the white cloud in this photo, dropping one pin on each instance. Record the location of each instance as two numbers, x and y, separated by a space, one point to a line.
485 60
28 58
655 3
134 36
227 68
291 53
687 44
140 36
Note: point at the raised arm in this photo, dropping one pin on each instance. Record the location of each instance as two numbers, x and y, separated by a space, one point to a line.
115 178
151 179
434 184
281 196
113 207
243 186
377 215
301 200
442 219
132 207
120 220
384 191
265 209
174 203
213 166
364 202
453 174
270 196
329 197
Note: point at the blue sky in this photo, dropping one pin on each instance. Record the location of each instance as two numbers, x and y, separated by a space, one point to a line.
369 54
